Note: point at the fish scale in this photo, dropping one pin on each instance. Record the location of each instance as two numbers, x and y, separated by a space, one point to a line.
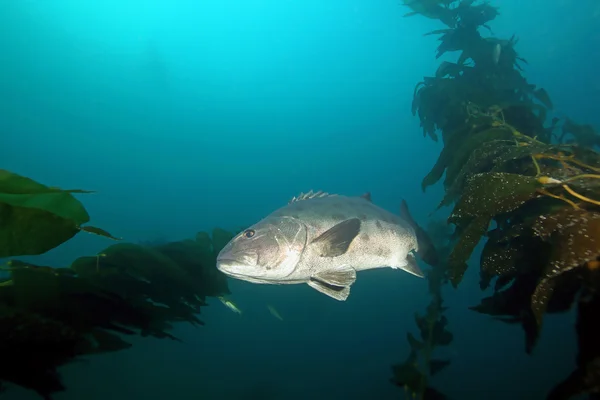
322 240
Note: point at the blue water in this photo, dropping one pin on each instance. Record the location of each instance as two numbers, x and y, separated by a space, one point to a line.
186 115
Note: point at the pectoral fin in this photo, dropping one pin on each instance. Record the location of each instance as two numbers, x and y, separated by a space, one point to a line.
336 240
411 267
344 275
336 292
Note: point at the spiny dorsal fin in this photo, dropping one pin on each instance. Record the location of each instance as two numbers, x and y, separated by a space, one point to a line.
310 195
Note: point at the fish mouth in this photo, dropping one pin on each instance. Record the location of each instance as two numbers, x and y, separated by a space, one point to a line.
224 263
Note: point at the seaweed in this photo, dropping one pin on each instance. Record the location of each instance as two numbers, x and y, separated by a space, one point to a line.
530 193
414 374
37 218
53 316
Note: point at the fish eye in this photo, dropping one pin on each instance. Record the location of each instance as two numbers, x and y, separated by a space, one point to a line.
248 233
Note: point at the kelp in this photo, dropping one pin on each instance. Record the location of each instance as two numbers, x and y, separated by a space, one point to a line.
532 194
52 316
37 218
415 373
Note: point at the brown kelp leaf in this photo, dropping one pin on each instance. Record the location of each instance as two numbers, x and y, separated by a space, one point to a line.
457 151
432 393
436 366
543 97
220 238
407 374
98 231
449 68
416 98
494 193
498 259
413 342
102 341
438 169
470 237
480 160
513 303
575 238
584 380
518 152
584 134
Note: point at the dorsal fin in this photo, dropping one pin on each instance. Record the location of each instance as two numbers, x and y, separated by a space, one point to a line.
310 195
367 196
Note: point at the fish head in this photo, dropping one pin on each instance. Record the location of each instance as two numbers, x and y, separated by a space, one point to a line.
268 251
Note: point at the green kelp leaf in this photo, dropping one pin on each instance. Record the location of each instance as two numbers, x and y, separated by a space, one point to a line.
575 238
35 218
470 237
11 183
36 347
138 261
494 193
98 231
199 264
35 288
204 241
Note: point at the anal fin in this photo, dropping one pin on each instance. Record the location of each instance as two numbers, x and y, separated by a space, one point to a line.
335 292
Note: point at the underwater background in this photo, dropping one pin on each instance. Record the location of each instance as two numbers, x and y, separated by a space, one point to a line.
188 115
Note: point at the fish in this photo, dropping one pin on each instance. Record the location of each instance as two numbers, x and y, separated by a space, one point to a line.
323 240
230 304
274 312
496 53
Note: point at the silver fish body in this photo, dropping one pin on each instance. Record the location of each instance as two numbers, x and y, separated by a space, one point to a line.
322 240
496 53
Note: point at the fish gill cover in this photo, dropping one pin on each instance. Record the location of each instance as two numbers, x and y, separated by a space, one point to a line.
536 185
530 189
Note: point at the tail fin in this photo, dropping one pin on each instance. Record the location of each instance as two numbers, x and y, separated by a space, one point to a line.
426 250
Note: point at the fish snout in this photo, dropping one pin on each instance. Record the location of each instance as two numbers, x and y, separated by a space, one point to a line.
231 261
